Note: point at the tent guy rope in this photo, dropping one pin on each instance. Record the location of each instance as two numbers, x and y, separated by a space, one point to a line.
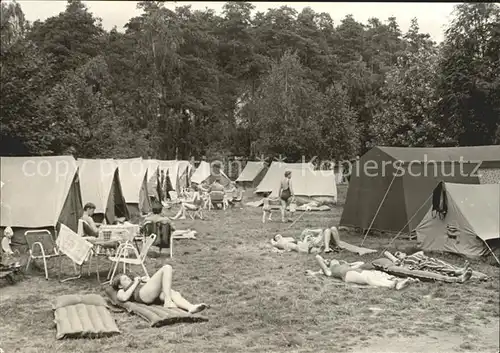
378 210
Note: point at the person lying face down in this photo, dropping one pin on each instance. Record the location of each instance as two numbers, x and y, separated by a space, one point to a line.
159 286
353 273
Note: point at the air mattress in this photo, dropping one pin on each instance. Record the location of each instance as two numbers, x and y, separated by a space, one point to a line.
155 315
83 316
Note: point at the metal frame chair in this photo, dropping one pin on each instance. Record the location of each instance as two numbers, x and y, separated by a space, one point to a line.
198 211
164 235
138 260
42 238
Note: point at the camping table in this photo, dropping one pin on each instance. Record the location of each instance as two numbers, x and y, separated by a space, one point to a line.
112 237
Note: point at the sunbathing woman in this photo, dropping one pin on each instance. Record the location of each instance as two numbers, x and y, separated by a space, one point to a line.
159 286
353 273
192 204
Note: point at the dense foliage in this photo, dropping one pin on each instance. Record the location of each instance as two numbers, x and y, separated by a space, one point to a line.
190 83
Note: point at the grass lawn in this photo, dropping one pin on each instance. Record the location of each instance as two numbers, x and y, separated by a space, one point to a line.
263 302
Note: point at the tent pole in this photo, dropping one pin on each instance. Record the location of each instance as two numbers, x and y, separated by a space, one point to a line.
397 235
378 210
492 253
296 219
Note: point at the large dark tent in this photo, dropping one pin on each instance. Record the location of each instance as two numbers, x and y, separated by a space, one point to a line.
392 186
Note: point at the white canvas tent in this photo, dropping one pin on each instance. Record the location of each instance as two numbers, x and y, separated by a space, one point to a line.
252 174
307 183
184 173
39 192
472 220
178 173
205 173
133 179
100 184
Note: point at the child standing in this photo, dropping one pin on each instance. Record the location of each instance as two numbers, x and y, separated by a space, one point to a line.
8 234
266 207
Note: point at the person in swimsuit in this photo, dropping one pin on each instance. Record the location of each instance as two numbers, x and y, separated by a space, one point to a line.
266 207
191 204
312 241
285 193
159 286
354 273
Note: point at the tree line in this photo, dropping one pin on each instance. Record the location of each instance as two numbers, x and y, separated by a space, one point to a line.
181 83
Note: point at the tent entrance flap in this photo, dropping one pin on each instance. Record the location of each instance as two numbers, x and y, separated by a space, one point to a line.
470 224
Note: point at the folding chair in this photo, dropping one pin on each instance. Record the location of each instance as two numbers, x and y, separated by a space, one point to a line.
84 229
217 198
47 248
164 235
109 247
139 258
198 210
75 248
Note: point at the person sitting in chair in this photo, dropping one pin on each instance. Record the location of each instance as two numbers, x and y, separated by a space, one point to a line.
191 204
354 273
158 287
289 244
216 186
90 228
156 215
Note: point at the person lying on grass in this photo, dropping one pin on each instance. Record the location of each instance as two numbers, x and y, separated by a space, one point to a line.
354 273
419 261
159 286
312 241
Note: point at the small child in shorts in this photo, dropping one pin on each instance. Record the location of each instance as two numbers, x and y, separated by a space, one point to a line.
266 208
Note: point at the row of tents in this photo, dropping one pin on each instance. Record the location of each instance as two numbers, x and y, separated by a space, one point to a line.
40 192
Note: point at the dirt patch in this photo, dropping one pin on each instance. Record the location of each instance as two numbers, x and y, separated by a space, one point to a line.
480 339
